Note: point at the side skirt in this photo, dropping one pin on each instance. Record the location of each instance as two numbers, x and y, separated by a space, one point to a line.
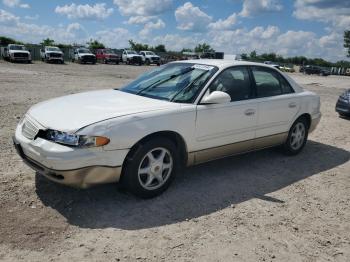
206 155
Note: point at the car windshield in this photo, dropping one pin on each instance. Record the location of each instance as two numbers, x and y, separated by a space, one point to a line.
17 47
149 53
84 50
53 49
132 52
177 82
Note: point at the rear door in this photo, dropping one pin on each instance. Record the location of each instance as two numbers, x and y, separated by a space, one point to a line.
277 103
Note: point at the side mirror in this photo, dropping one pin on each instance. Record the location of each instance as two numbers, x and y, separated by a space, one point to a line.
217 97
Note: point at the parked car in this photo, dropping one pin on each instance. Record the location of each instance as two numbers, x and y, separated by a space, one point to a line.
149 57
314 70
15 52
51 53
131 57
107 56
343 104
180 114
83 55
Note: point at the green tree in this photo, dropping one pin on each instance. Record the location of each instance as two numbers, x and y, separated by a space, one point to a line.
244 56
202 48
7 40
47 42
138 46
159 48
94 44
347 42
253 55
186 50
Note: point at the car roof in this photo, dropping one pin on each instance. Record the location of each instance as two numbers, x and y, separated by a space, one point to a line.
221 63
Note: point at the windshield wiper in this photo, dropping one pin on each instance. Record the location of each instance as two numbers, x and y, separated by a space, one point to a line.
159 82
189 86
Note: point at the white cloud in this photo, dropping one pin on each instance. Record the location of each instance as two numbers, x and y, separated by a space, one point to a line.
116 38
15 3
255 7
335 12
7 18
136 20
261 32
226 24
149 26
143 7
97 11
190 17
12 26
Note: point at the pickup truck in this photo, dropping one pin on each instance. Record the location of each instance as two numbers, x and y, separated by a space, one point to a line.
132 57
107 56
15 52
83 55
148 57
51 53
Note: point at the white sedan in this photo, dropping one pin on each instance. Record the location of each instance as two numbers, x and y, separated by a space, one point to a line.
180 114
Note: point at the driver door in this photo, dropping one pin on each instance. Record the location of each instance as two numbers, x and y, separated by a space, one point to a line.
229 128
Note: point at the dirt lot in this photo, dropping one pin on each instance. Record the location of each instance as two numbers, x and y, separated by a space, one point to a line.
261 206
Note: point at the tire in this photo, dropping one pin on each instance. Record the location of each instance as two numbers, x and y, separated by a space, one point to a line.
297 137
151 183
147 62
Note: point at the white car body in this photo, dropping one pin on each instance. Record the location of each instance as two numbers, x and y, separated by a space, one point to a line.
148 57
130 56
83 55
48 55
208 131
16 55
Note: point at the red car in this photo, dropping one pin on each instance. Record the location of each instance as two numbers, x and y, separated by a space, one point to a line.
107 56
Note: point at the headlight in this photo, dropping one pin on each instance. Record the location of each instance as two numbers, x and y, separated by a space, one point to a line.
76 140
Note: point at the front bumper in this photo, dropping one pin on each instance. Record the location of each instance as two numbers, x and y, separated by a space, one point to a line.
342 107
84 177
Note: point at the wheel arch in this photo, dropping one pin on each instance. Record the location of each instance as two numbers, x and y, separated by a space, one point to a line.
307 117
173 136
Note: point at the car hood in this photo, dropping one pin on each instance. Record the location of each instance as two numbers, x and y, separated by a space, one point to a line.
73 112
132 55
19 51
85 54
54 52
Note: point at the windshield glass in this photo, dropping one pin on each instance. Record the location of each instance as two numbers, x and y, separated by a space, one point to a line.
132 52
53 49
177 82
84 50
17 47
149 53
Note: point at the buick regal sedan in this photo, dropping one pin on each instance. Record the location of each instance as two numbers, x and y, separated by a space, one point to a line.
180 114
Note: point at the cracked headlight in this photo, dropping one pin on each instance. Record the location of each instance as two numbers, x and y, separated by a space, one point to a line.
76 140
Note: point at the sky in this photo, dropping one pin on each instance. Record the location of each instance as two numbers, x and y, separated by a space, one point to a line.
313 28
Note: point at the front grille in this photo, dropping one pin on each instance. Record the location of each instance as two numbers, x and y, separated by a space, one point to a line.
20 55
88 58
55 55
136 59
29 129
155 58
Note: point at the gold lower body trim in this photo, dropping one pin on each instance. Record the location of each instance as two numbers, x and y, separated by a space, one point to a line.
210 154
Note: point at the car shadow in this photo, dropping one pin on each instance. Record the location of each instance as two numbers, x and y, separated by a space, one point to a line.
198 191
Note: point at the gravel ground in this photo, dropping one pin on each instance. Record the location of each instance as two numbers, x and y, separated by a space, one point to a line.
260 206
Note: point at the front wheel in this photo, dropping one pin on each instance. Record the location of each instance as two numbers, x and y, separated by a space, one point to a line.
297 137
150 169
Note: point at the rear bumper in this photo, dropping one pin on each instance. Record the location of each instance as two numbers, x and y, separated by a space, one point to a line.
82 177
315 119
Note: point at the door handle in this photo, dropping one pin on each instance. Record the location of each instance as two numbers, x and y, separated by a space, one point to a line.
292 105
249 112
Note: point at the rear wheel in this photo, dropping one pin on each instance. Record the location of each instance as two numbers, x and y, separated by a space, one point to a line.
297 137
150 169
